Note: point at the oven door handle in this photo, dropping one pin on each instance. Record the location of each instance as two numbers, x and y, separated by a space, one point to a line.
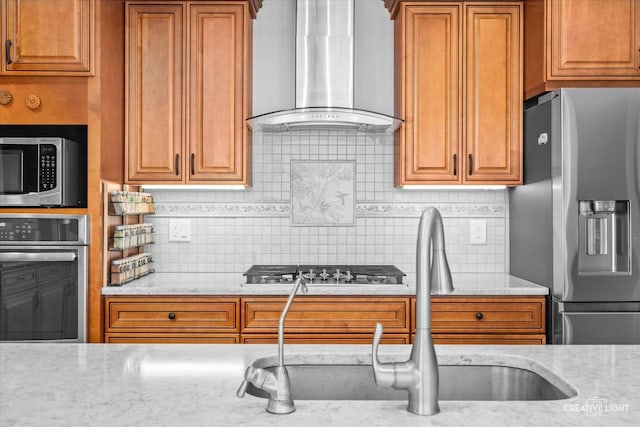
38 256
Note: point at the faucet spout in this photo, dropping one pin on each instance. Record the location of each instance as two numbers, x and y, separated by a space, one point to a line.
296 284
419 375
275 383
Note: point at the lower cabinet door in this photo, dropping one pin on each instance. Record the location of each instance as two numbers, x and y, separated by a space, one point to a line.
488 339
170 338
324 339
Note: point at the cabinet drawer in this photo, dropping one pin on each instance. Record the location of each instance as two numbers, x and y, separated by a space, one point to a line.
489 315
171 314
326 314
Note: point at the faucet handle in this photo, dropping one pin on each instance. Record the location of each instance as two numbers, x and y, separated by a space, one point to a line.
242 389
251 374
377 336
383 373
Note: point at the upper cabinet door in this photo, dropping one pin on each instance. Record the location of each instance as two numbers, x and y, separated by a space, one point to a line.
429 56
219 71
593 39
188 92
154 93
46 37
493 125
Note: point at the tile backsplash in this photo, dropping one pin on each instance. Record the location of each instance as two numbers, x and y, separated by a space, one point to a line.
232 230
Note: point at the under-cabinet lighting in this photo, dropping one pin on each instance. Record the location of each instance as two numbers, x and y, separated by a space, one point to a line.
452 187
178 187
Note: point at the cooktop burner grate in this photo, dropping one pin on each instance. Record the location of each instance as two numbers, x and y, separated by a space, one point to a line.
325 274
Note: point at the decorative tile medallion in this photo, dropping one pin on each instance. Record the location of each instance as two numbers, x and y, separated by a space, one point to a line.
322 193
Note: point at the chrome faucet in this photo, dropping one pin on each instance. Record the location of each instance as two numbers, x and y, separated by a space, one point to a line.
419 374
275 383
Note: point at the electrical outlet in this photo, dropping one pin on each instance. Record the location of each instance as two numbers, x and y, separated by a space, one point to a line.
478 231
179 230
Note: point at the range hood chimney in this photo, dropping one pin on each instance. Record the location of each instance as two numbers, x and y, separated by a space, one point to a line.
324 74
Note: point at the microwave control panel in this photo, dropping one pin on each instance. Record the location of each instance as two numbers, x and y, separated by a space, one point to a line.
48 160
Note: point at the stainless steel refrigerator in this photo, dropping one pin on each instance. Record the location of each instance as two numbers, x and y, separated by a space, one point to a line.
574 225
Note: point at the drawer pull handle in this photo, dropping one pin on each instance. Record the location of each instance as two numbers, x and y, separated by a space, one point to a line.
172 315
479 315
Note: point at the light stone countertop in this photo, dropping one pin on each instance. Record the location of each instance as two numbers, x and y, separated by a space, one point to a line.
232 284
194 385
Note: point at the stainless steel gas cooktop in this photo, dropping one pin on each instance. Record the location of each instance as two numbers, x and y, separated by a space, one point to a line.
326 274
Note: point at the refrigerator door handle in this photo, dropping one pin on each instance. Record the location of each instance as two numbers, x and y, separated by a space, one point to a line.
567 331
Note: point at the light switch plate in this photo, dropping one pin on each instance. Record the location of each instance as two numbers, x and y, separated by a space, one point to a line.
179 230
478 231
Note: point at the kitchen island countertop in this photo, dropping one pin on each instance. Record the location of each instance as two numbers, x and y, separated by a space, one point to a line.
195 385
232 284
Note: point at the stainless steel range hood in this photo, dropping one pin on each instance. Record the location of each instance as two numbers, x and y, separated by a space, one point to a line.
324 75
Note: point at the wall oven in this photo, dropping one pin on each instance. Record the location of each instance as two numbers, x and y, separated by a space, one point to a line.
43 277
42 172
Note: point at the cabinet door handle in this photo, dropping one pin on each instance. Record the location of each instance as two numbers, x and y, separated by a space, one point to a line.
455 165
193 164
35 301
7 51
479 315
470 164
172 315
177 164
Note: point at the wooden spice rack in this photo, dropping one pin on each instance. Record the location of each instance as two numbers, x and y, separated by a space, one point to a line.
125 233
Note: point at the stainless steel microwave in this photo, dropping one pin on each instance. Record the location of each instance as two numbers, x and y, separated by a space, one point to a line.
42 172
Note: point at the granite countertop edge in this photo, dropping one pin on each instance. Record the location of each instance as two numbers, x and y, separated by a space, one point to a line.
231 284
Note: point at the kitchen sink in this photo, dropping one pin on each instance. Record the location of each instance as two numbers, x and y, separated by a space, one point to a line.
457 382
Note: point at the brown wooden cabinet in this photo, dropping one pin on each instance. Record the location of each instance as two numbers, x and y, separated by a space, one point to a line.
154 319
327 320
585 43
48 38
486 319
459 89
188 81
321 319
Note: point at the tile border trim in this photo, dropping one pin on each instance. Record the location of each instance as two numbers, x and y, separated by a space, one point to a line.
363 209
